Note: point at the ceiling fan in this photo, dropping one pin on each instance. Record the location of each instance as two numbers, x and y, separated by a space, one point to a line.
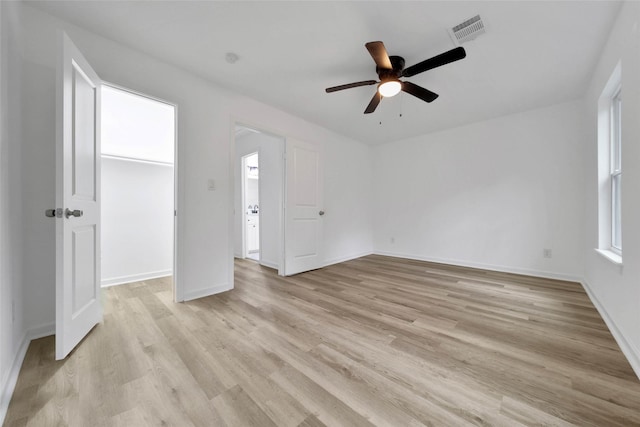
391 68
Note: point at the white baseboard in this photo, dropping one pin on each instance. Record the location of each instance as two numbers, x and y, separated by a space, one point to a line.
269 264
8 384
41 331
631 353
205 292
11 378
482 266
346 258
135 278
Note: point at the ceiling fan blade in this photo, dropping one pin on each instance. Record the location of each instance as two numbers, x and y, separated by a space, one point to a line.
379 54
350 85
437 61
374 103
419 92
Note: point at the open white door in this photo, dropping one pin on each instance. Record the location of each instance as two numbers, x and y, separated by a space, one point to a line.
303 207
78 302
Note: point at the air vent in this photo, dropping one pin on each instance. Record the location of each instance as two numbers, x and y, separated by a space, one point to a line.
468 30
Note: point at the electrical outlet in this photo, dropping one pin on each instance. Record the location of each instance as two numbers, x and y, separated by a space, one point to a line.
211 185
547 253
392 240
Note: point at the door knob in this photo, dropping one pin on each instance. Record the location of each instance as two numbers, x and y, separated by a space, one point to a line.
76 213
53 213
321 213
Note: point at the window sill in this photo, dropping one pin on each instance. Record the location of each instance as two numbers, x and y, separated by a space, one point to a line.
610 256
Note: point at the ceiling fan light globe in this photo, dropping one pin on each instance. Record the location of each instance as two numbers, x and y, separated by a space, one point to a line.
389 88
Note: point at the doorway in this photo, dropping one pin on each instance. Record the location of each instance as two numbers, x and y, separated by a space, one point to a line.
258 196
251 204
138 178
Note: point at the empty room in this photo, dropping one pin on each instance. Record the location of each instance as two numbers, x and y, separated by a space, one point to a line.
328 213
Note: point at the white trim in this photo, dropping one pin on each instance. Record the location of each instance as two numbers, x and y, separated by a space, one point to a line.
8 384
232 207
205 292
283 211
10 380
492 267
135 278
346 258
178 219
631 353
610 256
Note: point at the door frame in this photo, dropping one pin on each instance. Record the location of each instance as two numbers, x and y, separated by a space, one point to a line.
178 194
243 197
235 122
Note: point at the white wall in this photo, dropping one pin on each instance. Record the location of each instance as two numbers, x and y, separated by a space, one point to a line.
271 168
348 199
614 289
252 193
137 220
206 120
12 332
492 194
6 327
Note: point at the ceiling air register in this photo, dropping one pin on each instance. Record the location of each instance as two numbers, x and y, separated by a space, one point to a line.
468 30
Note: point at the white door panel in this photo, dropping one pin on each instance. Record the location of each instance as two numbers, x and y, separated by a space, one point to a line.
78 302
303 206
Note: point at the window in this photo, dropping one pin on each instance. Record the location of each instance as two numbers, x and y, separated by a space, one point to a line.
610 168
615 173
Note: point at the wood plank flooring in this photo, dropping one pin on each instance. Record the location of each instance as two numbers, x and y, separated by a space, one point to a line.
374 341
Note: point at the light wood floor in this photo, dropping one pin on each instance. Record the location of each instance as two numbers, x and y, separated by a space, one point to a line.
374 341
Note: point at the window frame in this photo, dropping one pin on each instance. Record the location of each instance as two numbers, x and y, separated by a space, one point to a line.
615 170
609 167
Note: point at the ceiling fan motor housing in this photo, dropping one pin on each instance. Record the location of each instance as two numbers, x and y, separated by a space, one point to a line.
397 62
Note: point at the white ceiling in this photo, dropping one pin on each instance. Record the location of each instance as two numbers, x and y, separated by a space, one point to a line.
533 54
